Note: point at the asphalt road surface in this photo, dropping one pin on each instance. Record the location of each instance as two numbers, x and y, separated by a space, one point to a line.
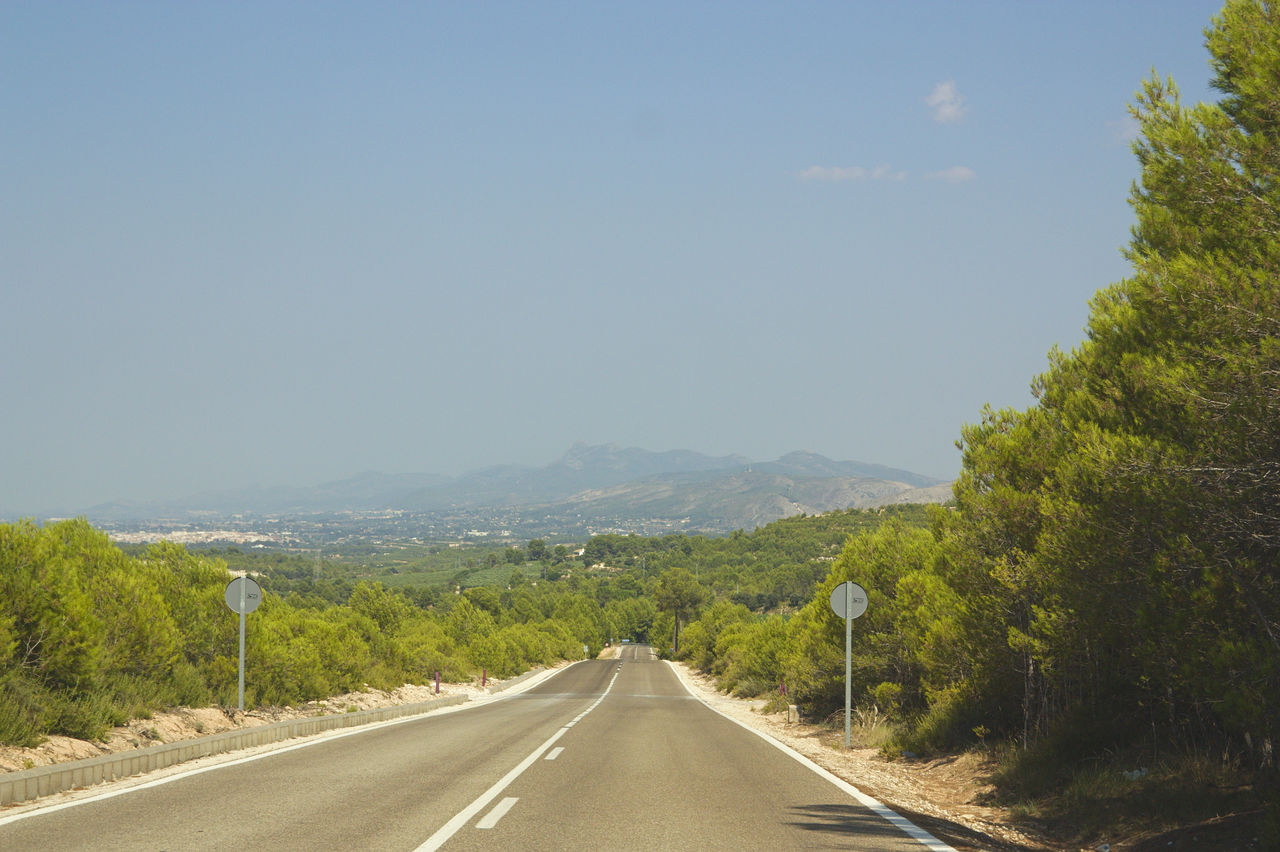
605 755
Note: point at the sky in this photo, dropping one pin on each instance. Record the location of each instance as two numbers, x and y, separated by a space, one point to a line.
284 243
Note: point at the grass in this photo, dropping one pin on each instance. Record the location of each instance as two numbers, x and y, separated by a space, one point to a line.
868 727
1111 797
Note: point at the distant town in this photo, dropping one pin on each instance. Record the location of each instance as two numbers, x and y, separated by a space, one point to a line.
306 532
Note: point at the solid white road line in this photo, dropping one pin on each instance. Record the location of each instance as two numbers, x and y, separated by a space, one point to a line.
909 828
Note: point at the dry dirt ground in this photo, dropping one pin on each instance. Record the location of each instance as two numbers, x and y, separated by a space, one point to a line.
187 723
942 796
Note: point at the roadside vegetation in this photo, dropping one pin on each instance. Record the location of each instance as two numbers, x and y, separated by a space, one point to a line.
90 636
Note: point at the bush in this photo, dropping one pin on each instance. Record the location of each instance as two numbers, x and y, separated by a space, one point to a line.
85 717
948 724
20 715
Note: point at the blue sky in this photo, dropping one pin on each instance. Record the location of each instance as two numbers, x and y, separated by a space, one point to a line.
283 243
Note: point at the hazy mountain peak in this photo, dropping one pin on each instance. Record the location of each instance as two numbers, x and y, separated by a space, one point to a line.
582 454
607 480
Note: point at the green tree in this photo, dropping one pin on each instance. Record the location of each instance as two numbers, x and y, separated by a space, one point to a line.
630 618
387 609
1121 533
678 593
1172 491
701 636
58 636
910 610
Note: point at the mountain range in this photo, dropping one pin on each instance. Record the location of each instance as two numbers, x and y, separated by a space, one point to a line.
677 489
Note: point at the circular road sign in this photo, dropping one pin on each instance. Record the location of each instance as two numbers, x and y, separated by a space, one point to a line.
858 600
246 590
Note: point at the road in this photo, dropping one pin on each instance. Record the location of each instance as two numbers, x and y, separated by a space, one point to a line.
608 754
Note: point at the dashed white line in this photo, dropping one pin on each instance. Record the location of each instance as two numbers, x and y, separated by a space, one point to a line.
499 811
554 753
450 828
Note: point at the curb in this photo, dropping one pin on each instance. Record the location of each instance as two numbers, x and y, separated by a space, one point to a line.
29 784
915 832
507 684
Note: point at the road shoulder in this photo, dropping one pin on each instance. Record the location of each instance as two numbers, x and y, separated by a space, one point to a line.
939 796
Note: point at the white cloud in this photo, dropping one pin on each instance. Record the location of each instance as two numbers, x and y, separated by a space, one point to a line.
955 174
842 173
947 103
886 173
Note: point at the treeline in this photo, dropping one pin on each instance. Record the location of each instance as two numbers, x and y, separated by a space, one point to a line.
90 636
773 567
905 646
1107 579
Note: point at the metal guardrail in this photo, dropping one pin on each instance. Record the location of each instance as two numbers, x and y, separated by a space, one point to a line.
30 784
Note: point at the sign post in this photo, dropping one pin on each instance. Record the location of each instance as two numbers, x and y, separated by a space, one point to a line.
243 596
848 600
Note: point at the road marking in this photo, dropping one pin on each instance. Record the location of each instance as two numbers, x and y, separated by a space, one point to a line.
555 752
909 828
498 812
450 828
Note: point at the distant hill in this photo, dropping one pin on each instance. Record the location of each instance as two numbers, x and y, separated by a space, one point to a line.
591 486
581 469
814 465
721 501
